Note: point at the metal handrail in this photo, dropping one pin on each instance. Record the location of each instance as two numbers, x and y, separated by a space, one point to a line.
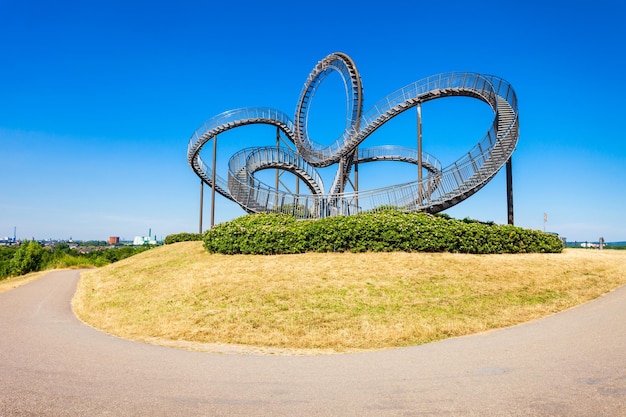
234 118
251 160
440 189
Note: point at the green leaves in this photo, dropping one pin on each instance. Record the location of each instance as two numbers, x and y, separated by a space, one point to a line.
30 256
385 231
262 234
27 258
182 237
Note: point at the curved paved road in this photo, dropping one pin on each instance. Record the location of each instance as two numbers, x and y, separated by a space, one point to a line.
570 364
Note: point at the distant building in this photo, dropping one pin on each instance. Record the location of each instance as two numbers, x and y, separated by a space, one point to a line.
589 245
7 241
114 240
145 240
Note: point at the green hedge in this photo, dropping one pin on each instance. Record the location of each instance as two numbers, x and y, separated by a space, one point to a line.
182 237
386 231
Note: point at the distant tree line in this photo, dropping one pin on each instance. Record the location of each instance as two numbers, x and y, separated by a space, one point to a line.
31 256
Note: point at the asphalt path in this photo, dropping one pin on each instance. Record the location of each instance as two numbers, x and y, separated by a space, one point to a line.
51 364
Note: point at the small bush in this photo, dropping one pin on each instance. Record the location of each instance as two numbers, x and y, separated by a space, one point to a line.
182 237
265 234
385 231
69 261
27 258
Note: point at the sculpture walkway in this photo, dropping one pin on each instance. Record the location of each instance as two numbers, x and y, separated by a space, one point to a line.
440 189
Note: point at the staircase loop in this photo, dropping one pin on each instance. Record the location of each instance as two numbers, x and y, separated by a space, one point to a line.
440 189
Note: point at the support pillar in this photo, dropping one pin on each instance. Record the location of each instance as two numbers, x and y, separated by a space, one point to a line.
419 152
201 204
342 178
213 181
356 177
509 190
277 147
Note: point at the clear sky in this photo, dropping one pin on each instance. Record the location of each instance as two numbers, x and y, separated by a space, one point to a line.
98 100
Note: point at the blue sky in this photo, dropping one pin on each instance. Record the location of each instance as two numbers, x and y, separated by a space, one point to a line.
98 100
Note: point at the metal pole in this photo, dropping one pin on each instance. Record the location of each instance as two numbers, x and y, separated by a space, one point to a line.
509 190
201 204
277 146
277 171
419 151
213 182
356 176
342 179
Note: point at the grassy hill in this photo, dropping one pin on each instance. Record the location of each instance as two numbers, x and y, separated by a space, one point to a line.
182 295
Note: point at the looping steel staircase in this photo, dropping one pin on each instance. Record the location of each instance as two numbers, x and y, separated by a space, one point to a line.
440 189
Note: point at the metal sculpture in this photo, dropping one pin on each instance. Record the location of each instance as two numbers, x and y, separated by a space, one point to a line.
440 189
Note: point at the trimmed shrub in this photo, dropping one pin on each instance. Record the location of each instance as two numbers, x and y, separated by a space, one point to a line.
264 234
385 231
182 237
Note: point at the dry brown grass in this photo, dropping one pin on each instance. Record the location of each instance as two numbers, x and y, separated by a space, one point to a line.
334 302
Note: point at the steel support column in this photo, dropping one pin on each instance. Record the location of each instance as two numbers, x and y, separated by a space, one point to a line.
213 181
201 204
419 153
509 189
277 147
356 176
342 178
